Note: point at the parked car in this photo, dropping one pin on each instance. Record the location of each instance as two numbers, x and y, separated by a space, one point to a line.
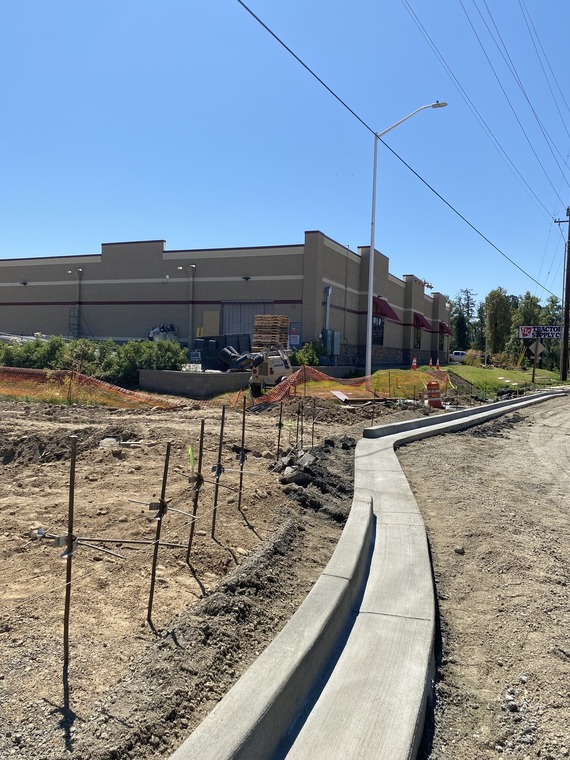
456 357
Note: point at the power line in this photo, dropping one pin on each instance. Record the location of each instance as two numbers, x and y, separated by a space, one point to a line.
509 102
494 141
460 215
304 65
512 68
370 129
534 36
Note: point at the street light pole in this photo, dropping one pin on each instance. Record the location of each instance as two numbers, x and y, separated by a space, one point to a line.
566 305
369 310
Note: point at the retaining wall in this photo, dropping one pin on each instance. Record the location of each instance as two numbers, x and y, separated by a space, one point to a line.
204 385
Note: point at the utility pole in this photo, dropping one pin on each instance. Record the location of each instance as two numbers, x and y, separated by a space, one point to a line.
566 305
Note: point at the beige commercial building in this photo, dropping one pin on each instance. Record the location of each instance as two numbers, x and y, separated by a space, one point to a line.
130 288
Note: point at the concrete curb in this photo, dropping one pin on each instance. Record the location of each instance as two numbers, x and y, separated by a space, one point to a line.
371 614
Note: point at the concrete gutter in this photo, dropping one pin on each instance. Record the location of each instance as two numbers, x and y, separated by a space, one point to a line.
350 675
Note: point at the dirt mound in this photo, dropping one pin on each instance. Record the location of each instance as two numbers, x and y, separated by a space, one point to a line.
322 480
498 428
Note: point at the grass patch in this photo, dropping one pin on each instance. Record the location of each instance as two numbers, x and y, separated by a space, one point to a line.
385 384
492 380
406 383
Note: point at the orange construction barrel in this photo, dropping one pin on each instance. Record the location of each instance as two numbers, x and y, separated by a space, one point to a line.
434 395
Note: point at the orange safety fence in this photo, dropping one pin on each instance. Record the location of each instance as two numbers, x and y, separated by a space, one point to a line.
60 377
306 374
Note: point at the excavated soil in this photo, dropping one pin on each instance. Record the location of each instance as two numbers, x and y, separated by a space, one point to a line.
133 688
493 499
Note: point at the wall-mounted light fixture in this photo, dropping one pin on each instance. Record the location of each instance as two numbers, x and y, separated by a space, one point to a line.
24 282
246 277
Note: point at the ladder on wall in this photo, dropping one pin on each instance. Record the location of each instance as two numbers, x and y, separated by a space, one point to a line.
77 327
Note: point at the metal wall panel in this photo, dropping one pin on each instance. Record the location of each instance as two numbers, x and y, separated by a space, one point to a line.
239 316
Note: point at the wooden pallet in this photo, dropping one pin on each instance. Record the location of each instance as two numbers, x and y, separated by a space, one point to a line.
270 330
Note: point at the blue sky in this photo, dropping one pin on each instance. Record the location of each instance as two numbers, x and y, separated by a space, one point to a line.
187 121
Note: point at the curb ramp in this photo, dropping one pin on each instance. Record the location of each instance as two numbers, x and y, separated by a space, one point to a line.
351 673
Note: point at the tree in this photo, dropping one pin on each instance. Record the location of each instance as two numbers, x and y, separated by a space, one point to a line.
462 313
528 312
469 305
551 312
80 355
479 328
308 354
499 319
551 315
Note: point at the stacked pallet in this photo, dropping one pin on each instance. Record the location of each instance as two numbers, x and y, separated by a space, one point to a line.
270 330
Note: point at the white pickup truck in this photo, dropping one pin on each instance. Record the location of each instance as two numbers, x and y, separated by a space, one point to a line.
456 357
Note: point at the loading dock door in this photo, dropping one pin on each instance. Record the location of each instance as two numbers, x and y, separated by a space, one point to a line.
239 316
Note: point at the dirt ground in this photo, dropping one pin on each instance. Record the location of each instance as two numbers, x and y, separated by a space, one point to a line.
493 500
495 503
132 689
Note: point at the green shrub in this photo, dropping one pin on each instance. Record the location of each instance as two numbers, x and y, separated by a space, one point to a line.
308 354
502 360
473 358
123 367
104 359
34 354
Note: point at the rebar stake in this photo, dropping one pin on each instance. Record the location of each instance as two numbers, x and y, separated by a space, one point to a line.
313 425
198 483
242 456
218 469
69 552
280 428
162 507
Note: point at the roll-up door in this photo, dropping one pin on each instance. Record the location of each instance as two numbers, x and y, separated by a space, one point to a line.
239 316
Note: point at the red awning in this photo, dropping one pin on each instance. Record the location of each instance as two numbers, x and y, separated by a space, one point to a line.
381 308
444 328
421 321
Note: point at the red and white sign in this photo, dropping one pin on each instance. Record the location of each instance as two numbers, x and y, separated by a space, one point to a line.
540 331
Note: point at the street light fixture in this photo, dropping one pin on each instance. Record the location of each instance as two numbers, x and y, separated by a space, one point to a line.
377 136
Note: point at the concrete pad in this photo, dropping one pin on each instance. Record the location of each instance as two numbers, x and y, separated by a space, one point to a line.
400 580
395 495
412 517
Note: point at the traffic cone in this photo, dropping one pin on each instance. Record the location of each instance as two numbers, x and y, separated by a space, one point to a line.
437 363
430 363
414 363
